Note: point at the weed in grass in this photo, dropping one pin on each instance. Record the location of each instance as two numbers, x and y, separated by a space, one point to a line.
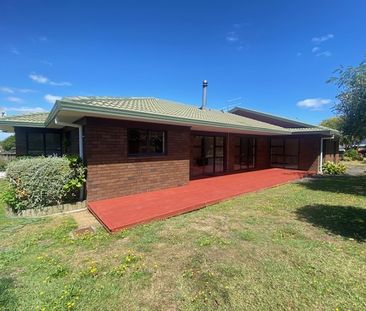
144 237
287 232
210 240
129 261
206 289
246 235
51 266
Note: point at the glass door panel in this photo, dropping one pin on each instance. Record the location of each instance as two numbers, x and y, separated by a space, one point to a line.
208 155
244 153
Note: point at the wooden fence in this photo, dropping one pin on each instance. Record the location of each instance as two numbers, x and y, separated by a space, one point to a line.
7 156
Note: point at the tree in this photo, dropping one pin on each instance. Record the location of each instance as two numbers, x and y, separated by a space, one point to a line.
336 123
8 143
351 108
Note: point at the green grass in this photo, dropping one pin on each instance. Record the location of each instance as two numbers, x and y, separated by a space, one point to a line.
300 246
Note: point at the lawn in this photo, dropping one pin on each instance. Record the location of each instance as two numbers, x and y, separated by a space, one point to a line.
300 246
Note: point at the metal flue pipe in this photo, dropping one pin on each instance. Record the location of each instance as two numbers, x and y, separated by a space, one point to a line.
204 94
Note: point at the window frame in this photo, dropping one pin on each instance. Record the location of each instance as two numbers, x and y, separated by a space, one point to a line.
44 148
147 154
284 154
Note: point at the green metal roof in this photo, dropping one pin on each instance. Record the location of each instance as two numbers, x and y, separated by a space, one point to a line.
163 110
33 120
150 109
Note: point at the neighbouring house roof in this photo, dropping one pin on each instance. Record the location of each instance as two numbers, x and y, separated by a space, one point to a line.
29 120
148 109
271 118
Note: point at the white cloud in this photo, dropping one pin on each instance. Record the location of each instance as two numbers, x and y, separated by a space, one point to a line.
63 83
46 62
25 90
5 89
14 50
315 49
12 90
51 98
44 80
325 54
39 78
298 54
318 40
14 99
313 103
232 36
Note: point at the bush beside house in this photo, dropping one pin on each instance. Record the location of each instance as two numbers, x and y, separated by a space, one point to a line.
331 168
43 181
352 155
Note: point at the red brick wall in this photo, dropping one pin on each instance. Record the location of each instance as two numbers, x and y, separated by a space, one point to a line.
309 153
111 173
331 150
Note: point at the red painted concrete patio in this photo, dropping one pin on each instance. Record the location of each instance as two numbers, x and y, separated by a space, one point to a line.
127 211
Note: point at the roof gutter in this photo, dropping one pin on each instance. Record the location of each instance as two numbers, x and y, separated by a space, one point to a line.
80 127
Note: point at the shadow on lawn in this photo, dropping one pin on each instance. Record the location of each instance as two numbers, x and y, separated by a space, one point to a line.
346 221
7 299
355 185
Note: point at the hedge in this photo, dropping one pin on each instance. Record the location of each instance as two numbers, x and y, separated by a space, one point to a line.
43 181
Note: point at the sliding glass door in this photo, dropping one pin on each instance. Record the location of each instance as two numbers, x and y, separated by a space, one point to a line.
208 155
244 153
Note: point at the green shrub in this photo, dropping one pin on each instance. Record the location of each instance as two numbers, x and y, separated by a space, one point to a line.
8 143
3 163
353 155
43 181
74 185
331 168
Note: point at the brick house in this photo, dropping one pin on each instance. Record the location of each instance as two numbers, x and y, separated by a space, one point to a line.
133 145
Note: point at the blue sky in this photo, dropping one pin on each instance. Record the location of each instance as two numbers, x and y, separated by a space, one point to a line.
272 56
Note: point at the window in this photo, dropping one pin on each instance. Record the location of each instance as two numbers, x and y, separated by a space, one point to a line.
35 144
285 152
52 143
145 142
43 144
